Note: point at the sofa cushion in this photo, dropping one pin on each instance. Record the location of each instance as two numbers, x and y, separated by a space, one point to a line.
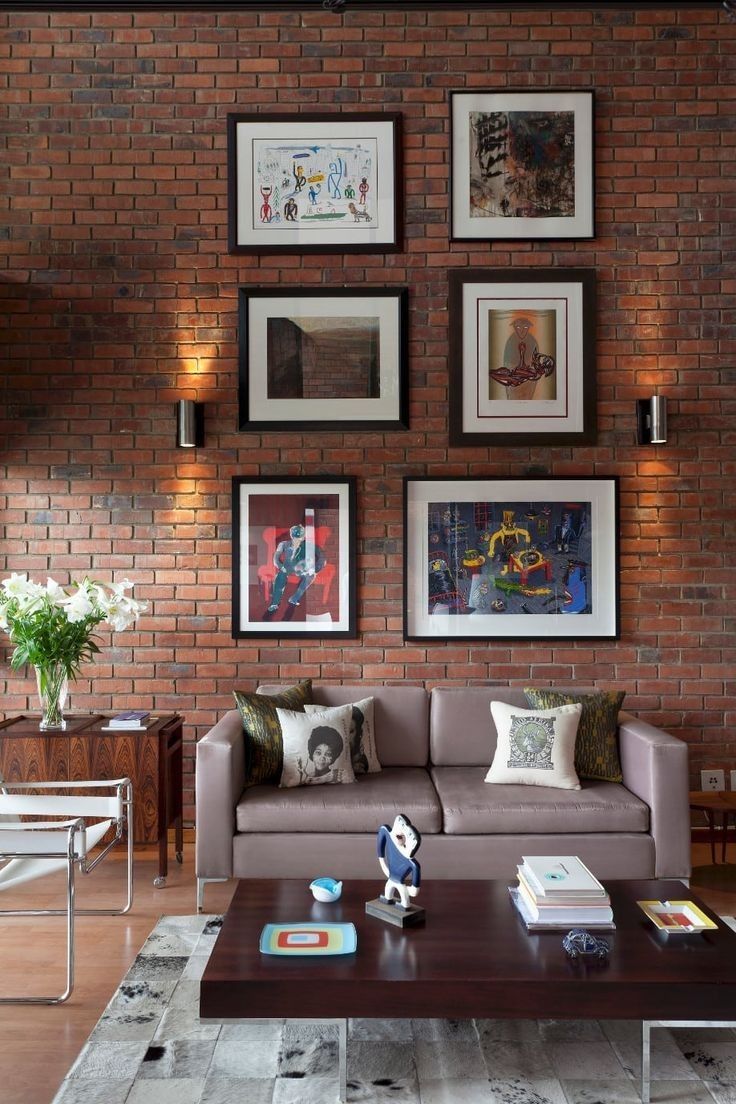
536 747
461 729
596 748
470 807
316 747
362 735
401 715
263 745
363 807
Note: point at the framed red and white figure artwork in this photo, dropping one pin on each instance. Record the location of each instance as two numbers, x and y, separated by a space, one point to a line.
294 566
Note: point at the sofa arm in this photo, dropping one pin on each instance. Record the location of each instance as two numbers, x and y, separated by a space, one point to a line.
655 768
219 780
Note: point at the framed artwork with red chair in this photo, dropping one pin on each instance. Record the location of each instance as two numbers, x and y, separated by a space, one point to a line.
294 556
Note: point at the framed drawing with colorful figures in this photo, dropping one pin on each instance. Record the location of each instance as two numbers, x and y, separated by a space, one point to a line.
521 559
521 165
522 357
294 562
320 358
314 183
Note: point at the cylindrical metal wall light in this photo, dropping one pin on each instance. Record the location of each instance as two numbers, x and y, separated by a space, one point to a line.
651 420
189 424
658 419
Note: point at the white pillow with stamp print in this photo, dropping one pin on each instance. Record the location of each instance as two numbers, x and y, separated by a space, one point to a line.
316 747
536 747
362 736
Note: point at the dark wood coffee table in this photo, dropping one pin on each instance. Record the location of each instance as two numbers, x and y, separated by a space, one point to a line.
472 959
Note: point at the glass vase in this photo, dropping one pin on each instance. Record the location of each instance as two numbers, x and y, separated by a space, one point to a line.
53 687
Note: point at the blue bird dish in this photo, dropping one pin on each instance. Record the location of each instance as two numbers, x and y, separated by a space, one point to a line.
325 889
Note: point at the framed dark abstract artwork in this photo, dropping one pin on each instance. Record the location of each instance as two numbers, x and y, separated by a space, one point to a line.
314 183
522 357
522 165
523 559
294 563
316 358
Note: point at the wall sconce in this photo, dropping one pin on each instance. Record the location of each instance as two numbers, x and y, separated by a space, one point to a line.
189 424
651 420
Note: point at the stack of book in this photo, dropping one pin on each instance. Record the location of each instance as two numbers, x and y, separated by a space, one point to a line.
132 720
559 892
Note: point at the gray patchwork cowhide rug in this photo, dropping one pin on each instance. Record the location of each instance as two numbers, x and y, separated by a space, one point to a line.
150 1048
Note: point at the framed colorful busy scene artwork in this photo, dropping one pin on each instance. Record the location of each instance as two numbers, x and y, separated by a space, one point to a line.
522 559
294 565
314 183
522 357
521 165
323 358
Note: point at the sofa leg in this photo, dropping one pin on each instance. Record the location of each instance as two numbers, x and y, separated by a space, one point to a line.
201 883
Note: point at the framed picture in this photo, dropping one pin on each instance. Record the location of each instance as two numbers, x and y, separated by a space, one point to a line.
522 559
521 165
294 563
522 357
314 183
316 358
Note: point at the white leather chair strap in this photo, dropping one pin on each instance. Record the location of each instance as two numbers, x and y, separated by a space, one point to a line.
20 804
41 841
17 872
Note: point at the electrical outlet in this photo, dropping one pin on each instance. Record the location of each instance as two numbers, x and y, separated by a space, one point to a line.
714 779
733 779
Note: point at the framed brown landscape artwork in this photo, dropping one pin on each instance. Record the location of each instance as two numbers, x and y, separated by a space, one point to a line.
305 182
320 359
522 357
522 559
522 165
294 560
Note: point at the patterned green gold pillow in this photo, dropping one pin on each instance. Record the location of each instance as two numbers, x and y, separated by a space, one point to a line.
264 749
596 747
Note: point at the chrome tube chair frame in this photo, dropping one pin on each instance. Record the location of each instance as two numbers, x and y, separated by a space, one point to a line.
66 844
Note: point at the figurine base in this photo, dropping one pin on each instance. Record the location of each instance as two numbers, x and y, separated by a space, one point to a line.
395 914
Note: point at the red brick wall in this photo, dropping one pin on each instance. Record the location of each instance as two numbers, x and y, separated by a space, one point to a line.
119 296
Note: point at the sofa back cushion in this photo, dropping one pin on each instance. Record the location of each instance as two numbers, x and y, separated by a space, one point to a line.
401 715
461 729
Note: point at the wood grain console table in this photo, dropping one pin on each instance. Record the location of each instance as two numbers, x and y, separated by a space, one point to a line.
152 759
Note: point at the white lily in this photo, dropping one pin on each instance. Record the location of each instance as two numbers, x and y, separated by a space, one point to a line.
29 610
19 586
78 605
56 593
15 585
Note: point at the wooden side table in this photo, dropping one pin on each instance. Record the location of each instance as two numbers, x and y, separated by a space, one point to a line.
711 802
152 759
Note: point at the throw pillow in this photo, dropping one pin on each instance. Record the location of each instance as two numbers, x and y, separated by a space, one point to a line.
316 747
596 750
362 736
536 747
263 744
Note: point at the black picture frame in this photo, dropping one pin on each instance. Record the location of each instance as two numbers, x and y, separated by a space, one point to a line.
321 358
546 393
328 182
511 559
497 195
266 510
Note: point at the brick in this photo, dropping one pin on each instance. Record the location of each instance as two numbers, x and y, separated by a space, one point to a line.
120 297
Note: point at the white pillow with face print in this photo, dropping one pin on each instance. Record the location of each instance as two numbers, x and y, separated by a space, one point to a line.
316 747
362 736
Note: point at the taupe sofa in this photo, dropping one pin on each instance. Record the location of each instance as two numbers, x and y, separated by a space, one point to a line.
435 748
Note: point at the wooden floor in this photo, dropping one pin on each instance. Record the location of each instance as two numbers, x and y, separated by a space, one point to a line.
38 1044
